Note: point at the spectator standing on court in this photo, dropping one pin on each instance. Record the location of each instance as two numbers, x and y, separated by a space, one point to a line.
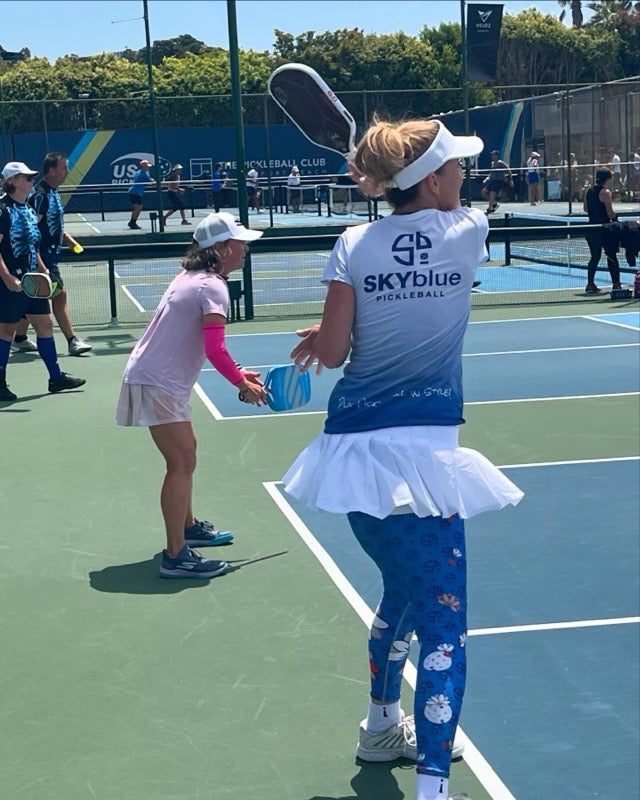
497 181
634 173
45 201
19 243
598 204
533 178
398 301
136 192
293 184
217 183
616 172
253 188
176 194
188 326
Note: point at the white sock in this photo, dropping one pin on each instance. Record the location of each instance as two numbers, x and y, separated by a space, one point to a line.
430 787
380 718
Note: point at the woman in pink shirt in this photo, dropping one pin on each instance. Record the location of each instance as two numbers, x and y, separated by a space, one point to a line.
187 328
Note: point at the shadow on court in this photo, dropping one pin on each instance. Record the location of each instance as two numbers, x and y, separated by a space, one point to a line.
142 577
373 782
10 405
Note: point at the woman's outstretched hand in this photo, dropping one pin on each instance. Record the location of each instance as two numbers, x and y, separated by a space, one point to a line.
303 354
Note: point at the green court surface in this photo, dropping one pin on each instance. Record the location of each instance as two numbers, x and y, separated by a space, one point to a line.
117 685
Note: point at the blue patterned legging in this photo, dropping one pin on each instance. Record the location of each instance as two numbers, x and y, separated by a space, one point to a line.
424 573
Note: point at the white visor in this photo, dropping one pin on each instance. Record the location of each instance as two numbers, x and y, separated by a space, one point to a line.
445 147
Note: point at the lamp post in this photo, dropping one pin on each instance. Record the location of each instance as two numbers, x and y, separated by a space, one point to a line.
241 170
83 97
2 122
465 99
154 120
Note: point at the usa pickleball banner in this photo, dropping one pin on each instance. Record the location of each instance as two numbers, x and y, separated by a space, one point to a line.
483 37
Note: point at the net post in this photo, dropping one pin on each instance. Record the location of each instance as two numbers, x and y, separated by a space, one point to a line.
112 293
507 242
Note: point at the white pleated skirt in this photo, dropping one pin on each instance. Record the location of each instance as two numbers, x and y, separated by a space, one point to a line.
415 469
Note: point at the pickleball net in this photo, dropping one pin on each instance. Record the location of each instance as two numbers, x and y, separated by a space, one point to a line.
528 264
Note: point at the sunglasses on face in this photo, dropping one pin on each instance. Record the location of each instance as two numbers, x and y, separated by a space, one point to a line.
28 178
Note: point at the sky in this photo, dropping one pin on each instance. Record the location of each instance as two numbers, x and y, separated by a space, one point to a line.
54 28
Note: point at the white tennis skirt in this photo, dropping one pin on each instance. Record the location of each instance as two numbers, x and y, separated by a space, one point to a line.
144 405
415 469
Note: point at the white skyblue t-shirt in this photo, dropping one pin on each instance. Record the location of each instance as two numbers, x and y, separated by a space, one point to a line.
412 276
170 352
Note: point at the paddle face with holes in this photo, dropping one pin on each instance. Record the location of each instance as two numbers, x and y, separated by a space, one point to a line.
37 285
313 107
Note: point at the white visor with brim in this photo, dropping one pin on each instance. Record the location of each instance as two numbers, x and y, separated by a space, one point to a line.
445 147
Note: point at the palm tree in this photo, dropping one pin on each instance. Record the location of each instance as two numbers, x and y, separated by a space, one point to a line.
576 11
606 10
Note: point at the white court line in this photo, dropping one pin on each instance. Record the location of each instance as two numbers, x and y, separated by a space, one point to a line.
502 352
555 626
544 399
570 462
613 322
209 404
551 349
86 221
133 299
537 319
472 756
471 323
470 403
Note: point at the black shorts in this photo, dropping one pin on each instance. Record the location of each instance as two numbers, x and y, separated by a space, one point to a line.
175 198
495 186
136 199
51 263
15 305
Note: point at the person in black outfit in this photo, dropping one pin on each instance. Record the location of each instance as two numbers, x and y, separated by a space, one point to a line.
599 207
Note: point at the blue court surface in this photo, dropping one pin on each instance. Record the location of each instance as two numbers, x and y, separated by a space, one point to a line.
553 698
503 361
291 278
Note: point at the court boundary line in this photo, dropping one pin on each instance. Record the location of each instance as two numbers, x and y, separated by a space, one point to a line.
477 763
209 404
474 322
128 294
555 626
494 353
603 321
281 414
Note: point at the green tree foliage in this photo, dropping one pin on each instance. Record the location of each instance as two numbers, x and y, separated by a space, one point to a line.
539 51
178 47
370 73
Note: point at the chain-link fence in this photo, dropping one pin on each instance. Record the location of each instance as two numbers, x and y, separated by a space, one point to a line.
570 125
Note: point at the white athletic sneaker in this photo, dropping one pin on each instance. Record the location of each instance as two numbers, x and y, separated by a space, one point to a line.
397 741
27 346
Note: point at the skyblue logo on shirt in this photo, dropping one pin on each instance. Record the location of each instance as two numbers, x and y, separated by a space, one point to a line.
413 279
409 245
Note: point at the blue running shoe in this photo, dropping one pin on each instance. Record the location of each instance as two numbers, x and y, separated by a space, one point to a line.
190 564
204 534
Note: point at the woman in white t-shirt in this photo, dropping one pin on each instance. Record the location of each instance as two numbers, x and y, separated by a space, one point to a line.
294 191
187 327
397 306
533 178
